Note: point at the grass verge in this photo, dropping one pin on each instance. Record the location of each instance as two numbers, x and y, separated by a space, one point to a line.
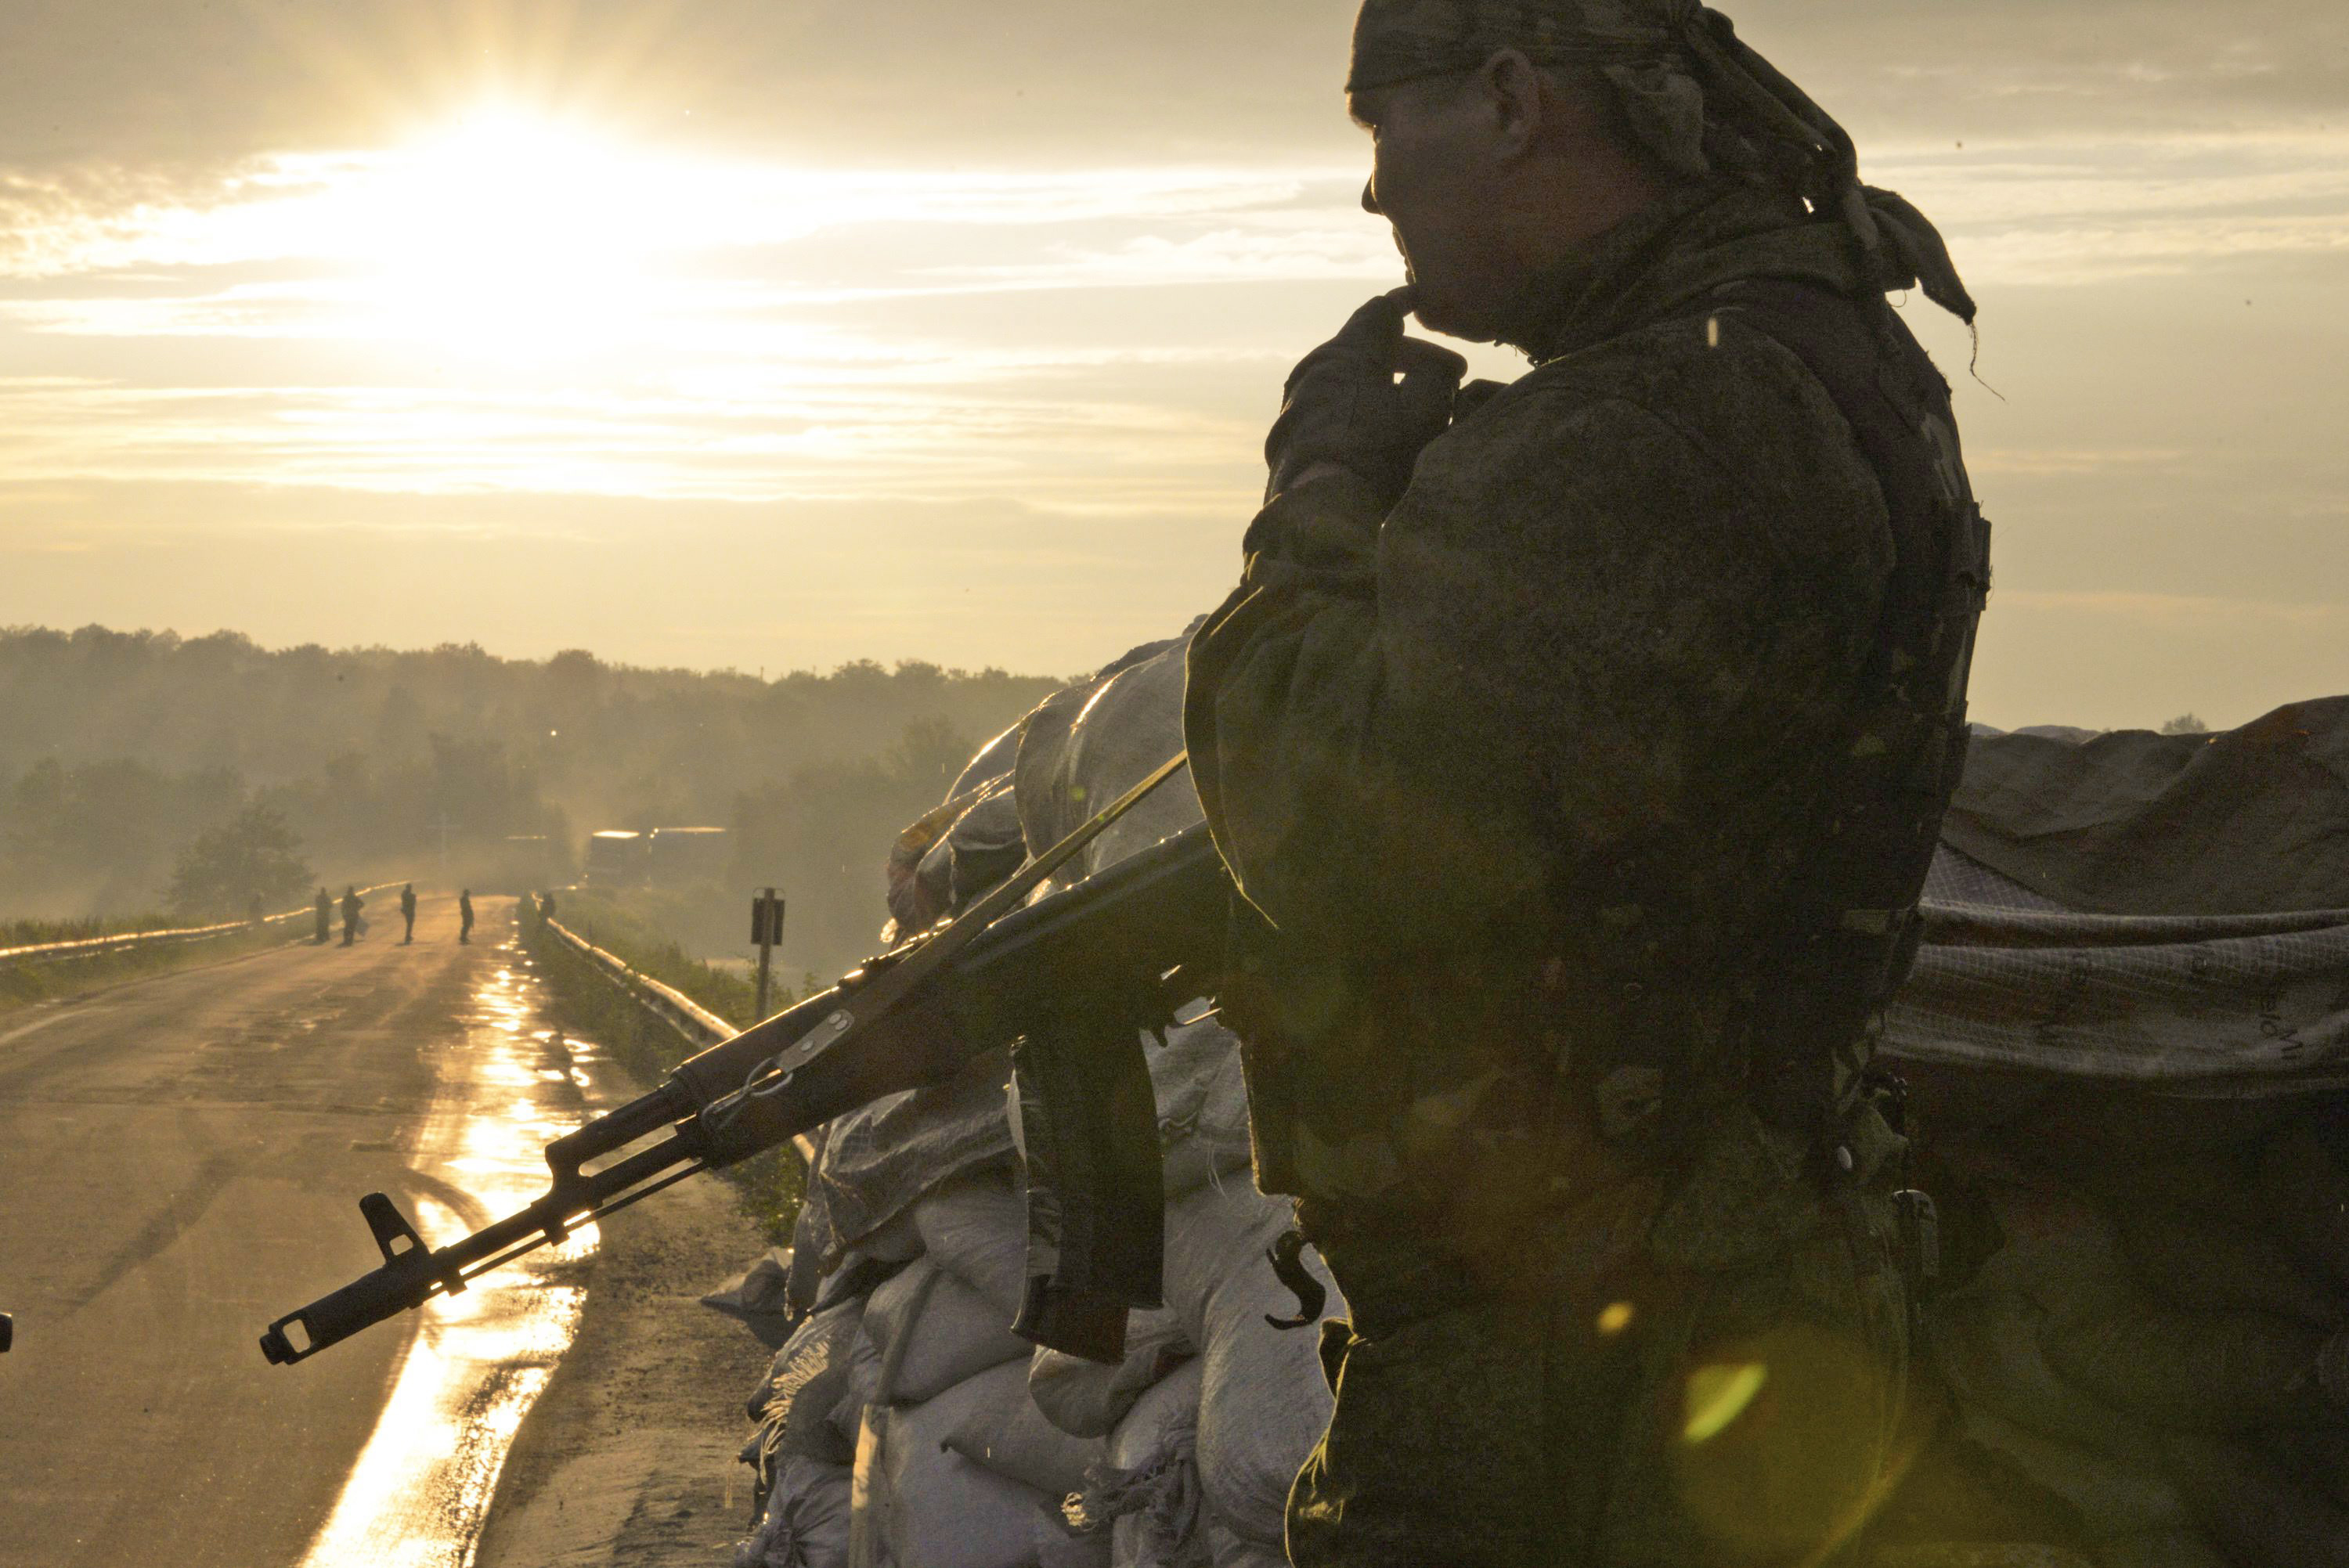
588 1001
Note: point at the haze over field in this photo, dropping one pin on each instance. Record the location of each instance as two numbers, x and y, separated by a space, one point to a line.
760 334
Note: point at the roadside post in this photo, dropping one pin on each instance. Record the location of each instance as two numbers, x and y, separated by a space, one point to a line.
766 931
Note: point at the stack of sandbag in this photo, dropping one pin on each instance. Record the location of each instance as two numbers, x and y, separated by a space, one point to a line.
942 1443
1215 1408
2162 1340
896 1425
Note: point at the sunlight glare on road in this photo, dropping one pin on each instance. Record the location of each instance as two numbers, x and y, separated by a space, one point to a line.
420 1489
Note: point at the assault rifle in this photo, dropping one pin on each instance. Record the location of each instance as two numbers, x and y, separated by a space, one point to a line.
1070 983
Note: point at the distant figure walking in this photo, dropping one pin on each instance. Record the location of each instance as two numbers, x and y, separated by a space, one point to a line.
352 904
324 909
408 914
254 914
546 906
465 917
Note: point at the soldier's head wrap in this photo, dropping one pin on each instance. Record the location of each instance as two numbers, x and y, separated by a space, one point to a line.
1694 94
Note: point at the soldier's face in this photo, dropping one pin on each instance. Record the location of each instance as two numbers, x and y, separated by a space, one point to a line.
1431 174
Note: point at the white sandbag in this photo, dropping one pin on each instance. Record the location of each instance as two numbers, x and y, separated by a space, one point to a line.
976 1228
2213 1263
895 1243
2207 1371
805 1384
2257 1514
760 1298
952 1333
1203 1117
1148 1492
927 1506
1229 1549
2168 1548
2115 1500
1265 1401
806 1522
1087 1399
1988 1348
1062 1549
991 1421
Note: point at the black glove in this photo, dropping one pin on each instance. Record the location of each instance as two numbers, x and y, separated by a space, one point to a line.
1344 407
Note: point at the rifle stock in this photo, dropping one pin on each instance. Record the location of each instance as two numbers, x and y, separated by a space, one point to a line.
1105 948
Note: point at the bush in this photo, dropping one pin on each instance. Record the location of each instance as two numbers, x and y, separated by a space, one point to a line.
253 858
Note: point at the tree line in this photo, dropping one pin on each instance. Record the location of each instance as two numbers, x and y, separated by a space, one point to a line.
139 768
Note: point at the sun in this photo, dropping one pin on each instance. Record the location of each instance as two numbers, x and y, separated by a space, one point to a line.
509 236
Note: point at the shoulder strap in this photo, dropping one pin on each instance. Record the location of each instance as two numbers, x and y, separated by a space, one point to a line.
1850 933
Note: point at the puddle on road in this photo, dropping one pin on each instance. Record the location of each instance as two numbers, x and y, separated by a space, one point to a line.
420 1491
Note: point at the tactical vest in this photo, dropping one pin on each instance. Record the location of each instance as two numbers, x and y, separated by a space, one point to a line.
1849 928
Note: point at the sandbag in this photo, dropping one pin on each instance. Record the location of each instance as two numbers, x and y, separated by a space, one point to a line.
2202 1371
760 1298
896 1242
1226 1549
1085 746
2161 1549
1203 1115
805 1383
991 1421
1975 1554
1147 1493
2116 1500
1087 1399
976 1228
2060 1262
951 1332
805 1523
2317 1458
2307 1195
927 1506
2258 1515
1265 1401
2209 1264
1987 1349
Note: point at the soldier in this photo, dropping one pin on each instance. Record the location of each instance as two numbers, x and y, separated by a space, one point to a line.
1580 746
465 917
324 908
408 914
352 904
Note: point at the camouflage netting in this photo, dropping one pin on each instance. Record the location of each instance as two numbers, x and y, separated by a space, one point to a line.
2134 1121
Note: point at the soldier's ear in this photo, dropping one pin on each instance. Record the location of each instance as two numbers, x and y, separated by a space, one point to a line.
1513 86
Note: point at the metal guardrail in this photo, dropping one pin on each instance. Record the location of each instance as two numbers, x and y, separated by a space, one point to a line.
697 1023
96 946
690 1019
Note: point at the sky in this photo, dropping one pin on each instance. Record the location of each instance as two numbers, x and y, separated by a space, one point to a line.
770 333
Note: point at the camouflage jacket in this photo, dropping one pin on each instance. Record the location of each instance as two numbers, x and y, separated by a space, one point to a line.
1513 772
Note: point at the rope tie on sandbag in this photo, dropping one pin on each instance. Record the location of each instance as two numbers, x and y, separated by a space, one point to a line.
1162 1492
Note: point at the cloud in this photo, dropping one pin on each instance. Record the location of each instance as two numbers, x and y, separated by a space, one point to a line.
194 84
2169 610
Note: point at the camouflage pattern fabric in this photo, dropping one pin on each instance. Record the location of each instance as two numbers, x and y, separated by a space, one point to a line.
1561 716
1634 43
1402 40
1725 1401
1596 654
1694 95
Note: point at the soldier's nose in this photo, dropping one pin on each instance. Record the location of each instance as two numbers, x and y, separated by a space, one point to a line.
1371 197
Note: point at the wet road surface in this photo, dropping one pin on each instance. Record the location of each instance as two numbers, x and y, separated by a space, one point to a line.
180 1163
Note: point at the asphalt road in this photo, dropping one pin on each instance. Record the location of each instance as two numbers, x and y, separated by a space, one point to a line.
180 1164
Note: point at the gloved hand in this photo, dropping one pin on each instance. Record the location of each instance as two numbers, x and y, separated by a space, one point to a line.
1344 407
